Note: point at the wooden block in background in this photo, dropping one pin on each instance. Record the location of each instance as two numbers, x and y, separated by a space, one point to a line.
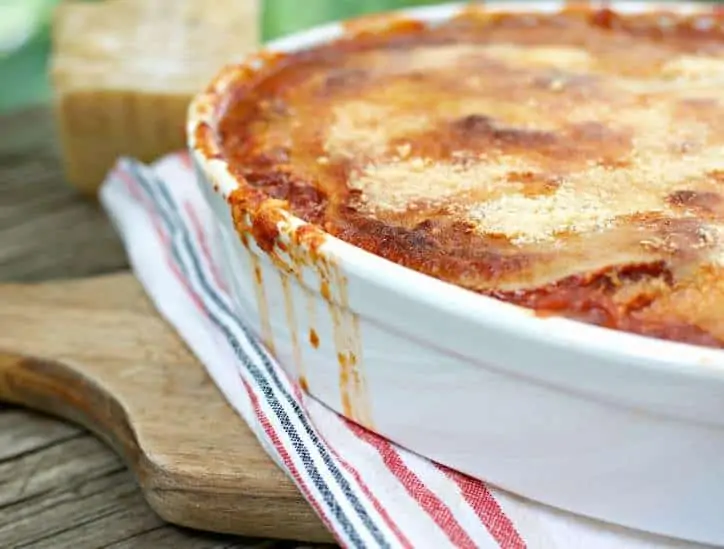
124 71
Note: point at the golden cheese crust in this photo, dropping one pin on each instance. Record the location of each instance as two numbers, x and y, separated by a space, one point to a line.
572 163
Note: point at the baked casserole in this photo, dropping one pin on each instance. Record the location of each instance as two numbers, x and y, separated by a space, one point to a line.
570 162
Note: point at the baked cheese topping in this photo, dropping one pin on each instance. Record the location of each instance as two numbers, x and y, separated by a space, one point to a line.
571 162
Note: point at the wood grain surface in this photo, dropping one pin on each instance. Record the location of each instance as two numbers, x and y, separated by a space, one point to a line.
60 486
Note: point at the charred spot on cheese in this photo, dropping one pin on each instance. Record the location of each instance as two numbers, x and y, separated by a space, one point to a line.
567 162
476 126
339 79
301 195
273 156
705 201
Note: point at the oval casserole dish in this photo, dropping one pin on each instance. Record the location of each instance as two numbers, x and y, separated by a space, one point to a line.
604 423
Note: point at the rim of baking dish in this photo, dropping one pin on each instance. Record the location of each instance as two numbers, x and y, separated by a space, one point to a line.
639 351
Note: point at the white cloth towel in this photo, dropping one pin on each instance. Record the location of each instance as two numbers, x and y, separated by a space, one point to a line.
367 491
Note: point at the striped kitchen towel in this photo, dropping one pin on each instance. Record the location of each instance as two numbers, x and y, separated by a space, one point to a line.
367 491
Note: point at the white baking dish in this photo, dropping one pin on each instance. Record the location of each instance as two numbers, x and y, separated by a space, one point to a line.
602 423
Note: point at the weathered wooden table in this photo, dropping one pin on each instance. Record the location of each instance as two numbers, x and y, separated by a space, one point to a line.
59 486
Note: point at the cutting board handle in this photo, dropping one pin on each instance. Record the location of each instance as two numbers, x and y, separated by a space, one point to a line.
95 351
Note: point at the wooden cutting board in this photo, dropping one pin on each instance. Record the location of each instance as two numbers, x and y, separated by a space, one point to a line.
96 352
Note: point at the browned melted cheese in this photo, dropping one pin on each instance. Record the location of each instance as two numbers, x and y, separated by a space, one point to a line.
572 163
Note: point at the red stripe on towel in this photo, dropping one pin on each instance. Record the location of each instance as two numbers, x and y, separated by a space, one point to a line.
480 499
425 498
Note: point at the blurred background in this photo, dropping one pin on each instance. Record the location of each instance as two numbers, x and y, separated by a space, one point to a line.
25 36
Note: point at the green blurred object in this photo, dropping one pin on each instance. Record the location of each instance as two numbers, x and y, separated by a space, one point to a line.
24 48
280 17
